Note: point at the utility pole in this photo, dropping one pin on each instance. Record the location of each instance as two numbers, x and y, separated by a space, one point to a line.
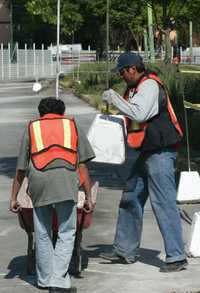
150 28
58 45
191 42
107 42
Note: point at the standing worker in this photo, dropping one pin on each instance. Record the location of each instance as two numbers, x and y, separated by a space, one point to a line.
156 134
52 149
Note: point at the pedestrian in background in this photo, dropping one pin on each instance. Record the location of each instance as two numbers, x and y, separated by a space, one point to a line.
52 150
156 134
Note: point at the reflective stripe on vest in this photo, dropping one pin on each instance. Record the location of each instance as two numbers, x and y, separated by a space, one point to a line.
53 137
135 137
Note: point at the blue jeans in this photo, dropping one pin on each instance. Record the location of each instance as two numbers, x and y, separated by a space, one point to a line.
52 263
153 176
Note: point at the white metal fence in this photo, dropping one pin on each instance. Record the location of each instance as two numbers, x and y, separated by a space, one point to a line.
189 56
38 63
41 63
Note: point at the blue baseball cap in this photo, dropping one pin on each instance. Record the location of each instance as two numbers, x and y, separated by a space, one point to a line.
128 59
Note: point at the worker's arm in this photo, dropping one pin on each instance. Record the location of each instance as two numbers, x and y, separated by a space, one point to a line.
22 165
141 106
83 170
17 183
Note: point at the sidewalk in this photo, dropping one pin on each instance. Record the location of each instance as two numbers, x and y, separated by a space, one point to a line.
99 275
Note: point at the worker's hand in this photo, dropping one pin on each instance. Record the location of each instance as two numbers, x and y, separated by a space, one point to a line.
107 96
88 206
110 95
14 206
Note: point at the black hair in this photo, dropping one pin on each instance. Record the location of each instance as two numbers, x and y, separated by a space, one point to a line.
140 67
51 105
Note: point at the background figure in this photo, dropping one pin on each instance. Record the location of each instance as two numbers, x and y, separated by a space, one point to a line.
156 135
52 150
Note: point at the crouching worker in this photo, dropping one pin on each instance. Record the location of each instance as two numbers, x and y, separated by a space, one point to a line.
53 147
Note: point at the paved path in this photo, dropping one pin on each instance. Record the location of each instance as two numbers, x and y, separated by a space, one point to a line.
17 106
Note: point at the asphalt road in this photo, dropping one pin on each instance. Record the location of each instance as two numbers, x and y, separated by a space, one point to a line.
17 106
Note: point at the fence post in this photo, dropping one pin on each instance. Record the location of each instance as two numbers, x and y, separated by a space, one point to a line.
78 67
72 62
191 43
34 61
17 61
181 54
88 54
42 60
51 48
26 60
2 63
9 62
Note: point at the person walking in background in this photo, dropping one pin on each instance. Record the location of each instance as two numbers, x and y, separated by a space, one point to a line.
154 130
52 150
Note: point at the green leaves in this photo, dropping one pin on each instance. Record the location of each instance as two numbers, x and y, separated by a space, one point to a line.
71 18
86 19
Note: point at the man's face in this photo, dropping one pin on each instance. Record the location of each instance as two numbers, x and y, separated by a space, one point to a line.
128 74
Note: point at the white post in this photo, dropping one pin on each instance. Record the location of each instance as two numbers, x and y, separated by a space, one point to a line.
34 61
9 62
88 56
58 45
78 67
42 60
51 61
2 63
26 60
181 55
17 48
72 62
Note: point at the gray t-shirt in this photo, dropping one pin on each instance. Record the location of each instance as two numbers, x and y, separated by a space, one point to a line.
58 181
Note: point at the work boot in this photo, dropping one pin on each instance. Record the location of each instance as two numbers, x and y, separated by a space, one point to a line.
42 288
113 256
176 266
62 290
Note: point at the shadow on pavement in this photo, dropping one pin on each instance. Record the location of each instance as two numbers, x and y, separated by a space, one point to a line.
111 175
17 268
146 256
7 166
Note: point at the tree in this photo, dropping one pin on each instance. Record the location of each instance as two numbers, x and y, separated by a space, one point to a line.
71 17
127 19
85 20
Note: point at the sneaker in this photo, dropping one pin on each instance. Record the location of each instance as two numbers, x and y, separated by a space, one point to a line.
176 266
113 256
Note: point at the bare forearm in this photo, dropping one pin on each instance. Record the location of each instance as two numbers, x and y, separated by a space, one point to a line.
17 182
86 182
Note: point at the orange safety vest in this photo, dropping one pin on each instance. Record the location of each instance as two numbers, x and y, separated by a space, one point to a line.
135 137
53 137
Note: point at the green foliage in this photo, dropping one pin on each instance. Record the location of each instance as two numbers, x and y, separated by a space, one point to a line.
85 19
71 18
93 83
